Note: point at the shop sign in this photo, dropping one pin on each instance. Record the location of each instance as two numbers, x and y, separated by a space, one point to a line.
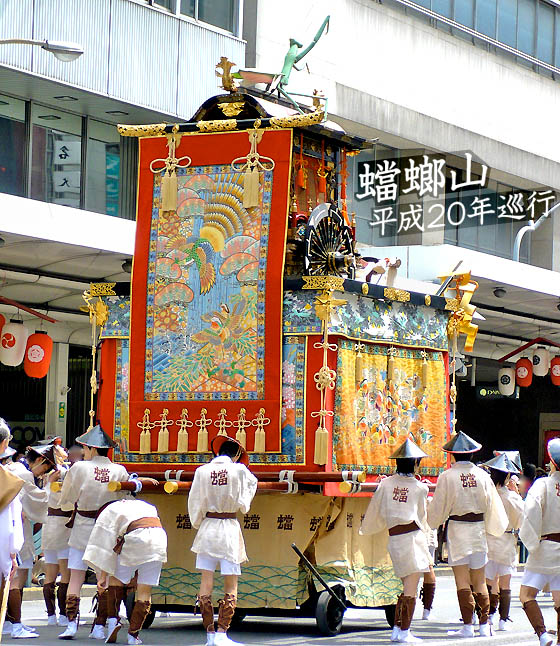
489 392
67 152
410 193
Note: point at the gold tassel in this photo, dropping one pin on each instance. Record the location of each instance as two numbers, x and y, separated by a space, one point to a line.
241 437
260 438
424 369
169 191
202 440
260 441
163 441
321 446
241 423
145 436
183 441
145 442
358 369
390 367
251 184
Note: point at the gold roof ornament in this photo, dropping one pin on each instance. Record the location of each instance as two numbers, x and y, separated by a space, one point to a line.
228 82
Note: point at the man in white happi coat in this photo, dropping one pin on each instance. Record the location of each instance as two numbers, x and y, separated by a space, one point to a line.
399 507
540 533
127 538
11 525
85 493
466 496
219 490
38 461
54 544
502 550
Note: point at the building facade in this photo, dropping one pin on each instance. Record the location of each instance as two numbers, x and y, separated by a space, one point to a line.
68 180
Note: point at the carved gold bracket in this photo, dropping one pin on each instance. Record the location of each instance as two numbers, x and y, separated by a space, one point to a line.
98 315
224 125
460 322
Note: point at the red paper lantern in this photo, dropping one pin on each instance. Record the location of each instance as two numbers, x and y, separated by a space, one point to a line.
13 340
2 322
38 354
555 371
524 372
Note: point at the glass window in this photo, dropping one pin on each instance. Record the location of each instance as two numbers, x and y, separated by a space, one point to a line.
12 149
526 26
545 33
486 17
188 8
103 168
464 12
166 4
507 22
56 156
220 14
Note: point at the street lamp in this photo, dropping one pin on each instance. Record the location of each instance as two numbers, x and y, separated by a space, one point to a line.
63 51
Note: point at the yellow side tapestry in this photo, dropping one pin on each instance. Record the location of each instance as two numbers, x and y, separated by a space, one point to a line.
383 395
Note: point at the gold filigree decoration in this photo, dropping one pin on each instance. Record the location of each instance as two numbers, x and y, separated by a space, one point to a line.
241 423
145 426
298 120
334 283
222 423
102 289
217 125
365 289
428 299
223 125
325 303
231 108
325 378
149 130
393 294
452 304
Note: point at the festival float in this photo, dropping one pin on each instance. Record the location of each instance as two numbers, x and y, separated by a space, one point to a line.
247 316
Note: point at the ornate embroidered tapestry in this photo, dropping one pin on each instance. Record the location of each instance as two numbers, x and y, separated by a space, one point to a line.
369 320
207 291
373 414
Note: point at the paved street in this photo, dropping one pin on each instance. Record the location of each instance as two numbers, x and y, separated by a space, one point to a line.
360 626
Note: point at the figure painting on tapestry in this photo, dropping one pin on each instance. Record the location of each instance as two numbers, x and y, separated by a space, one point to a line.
205 327
374 412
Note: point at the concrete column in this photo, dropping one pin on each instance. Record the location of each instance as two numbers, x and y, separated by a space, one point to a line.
57 389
